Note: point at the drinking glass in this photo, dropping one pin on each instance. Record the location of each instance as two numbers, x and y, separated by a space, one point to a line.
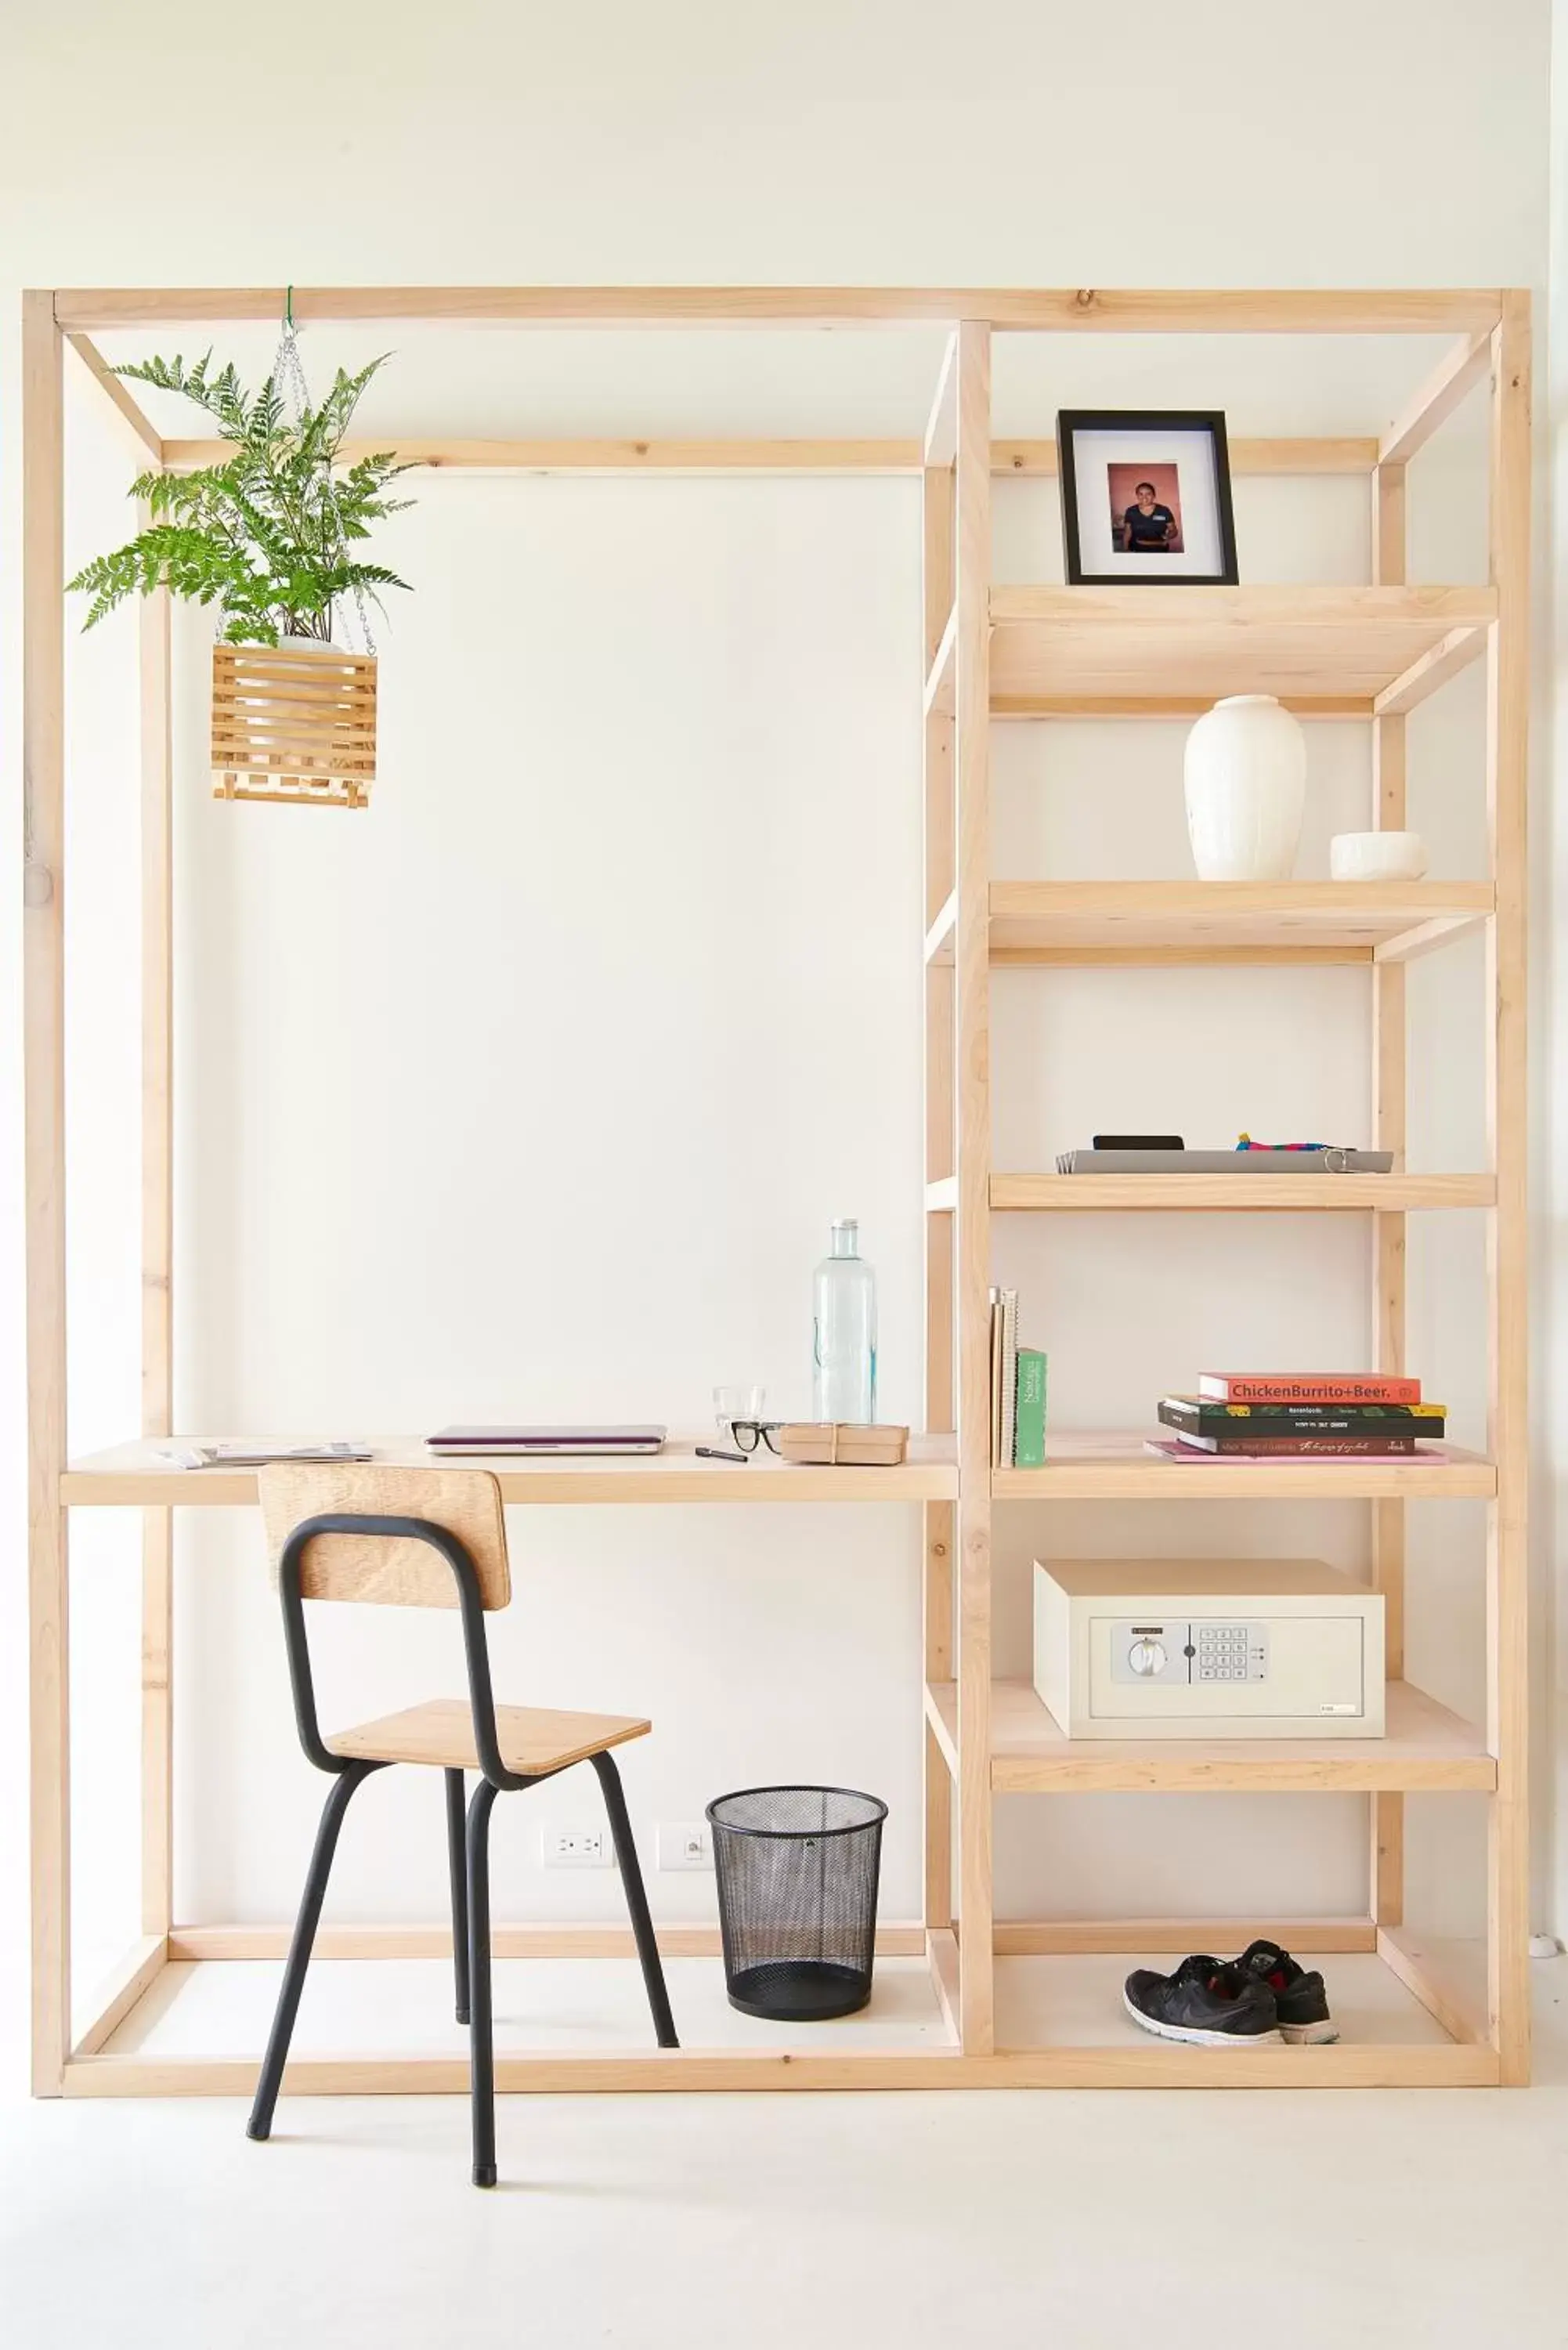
737 1403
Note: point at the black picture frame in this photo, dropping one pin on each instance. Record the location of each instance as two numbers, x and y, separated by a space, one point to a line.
1071 422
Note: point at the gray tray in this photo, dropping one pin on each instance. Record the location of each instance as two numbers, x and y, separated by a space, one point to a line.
1332 1161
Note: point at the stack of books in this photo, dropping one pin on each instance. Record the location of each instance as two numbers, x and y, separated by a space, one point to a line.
1017 1390
1297 1415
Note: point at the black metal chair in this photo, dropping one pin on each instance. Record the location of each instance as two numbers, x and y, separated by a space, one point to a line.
428 1538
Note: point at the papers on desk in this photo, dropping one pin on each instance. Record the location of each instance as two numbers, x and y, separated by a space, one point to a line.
246 1456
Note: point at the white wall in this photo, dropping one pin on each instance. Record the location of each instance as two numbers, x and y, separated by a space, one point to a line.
649 768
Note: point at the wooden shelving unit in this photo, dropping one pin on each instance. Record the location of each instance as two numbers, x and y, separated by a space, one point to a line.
1426 1748
1371 651
1328 652
1249 923
1118 1467
1389 1195
1256 923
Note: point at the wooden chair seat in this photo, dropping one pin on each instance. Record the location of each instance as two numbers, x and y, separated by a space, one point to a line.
532 1738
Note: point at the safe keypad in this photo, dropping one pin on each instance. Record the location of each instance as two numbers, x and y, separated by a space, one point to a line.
1228 1652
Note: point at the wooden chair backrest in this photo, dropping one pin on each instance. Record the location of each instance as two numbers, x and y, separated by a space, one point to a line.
396 1572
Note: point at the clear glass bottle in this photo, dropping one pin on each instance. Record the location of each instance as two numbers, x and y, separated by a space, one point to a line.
844 1331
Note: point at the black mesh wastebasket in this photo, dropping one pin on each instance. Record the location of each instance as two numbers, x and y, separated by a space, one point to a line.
797 1871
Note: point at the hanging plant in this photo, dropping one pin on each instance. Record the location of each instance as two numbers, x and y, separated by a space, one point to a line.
269 536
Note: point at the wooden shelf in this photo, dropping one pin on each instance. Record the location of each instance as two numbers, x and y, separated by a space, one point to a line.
132 1475
1414 2024
1230 921
1171 650
1426 1749
1243 1194
1410 2016
1028 460
1116 1467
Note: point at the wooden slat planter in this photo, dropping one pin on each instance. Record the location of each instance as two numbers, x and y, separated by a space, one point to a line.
295 721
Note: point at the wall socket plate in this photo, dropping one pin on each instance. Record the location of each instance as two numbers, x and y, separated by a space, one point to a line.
684 1844
575 1848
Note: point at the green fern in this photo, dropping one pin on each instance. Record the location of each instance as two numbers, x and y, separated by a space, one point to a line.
266 535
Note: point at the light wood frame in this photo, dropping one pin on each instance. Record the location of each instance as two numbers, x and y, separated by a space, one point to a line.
967 922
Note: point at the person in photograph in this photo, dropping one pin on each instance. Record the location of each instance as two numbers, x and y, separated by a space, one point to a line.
1147 527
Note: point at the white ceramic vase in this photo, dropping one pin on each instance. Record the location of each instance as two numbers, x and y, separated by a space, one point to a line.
1246 784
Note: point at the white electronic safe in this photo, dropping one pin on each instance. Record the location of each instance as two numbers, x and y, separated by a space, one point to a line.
1207 1648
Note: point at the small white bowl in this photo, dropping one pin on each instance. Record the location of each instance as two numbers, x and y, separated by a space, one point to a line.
1377 856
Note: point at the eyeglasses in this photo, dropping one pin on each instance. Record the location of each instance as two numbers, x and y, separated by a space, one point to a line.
749 1433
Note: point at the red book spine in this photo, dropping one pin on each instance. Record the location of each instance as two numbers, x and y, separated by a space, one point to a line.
1306 1388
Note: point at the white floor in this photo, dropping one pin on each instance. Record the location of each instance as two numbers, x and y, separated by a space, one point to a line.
1095 2220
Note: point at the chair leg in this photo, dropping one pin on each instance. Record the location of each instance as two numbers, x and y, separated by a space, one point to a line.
299 1950
636 1899
482 2046
456 1851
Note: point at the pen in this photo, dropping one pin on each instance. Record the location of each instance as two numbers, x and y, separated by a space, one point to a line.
712 1452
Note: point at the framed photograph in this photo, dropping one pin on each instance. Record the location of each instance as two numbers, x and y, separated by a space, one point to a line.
1146 495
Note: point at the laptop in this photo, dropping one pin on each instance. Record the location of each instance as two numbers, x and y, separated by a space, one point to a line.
590 1440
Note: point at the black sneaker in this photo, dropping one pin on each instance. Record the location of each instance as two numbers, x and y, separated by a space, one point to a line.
1300 2000
1209 2002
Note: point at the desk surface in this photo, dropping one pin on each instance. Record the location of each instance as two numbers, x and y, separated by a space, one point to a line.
1080 1466
133 1475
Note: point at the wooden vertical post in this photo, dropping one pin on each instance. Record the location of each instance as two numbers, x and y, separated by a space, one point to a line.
938 1517
157 1261
1507 1558
972 1218
937 519
1386 1893
938 1905
936 493
43 973
936 490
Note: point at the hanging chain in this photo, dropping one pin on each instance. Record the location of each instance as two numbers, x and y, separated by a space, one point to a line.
288 371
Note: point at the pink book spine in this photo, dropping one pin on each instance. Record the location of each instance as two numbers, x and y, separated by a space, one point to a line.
1307 1448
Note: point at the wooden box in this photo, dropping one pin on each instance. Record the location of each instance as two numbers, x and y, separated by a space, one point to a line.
294 721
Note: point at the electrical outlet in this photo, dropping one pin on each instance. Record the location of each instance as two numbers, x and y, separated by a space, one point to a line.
684 1844
575 1848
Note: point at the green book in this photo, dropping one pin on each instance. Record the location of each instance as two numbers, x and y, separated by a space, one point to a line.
1029 1444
